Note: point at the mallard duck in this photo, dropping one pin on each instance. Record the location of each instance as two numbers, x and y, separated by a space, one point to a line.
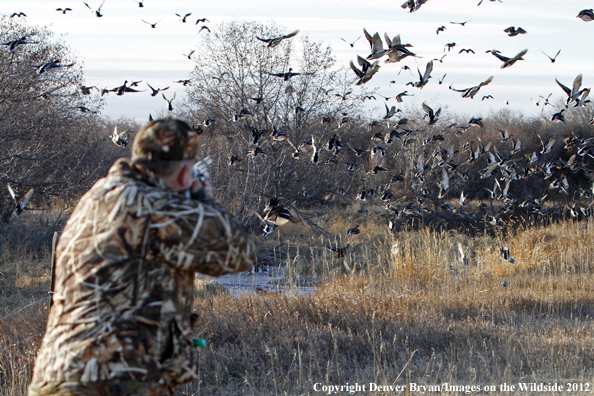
401 95
390 112
472 91
553 59
234 160
367 70
351 166
184 17
14 44
64 10
84 109
354 230
449 46
97 12
507 62
351 44
153 25
122 89
55 64
201 20
359 152
476 121
586 15
19 207
461 23
169 105
119 139
423 78
274 41
280 216
256 151
189 55
396 50
574 92
512 31
183 82
413 5
433 116
155 91
440 29
376 44
286 76
558 117
87 90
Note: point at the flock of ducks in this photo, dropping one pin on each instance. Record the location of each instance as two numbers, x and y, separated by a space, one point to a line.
437 162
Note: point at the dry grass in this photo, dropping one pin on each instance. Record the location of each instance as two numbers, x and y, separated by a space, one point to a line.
393 311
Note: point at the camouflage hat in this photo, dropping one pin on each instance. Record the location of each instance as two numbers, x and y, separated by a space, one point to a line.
167 139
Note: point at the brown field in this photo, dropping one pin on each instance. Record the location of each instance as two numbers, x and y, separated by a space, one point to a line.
393 311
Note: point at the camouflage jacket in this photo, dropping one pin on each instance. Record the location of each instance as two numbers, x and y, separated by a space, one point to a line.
124 275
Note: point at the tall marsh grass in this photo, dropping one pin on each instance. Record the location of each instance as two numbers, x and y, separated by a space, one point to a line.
394 310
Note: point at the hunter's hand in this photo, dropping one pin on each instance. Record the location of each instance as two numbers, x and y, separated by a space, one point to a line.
202 189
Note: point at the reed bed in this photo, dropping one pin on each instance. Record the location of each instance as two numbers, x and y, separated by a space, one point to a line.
394 311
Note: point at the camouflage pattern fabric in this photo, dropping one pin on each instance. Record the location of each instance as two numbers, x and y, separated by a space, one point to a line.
121 321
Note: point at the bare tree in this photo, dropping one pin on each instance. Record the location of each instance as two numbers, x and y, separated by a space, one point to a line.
47 138
277 105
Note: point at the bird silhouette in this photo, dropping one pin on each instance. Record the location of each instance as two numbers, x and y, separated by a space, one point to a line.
396 50
472 91
97 12
586 15
461 23
449 46
13 45
553 59
155 91
55 64
367 70
64 10
433 116
119 139
288 75
19 207
169 105
274 41
153 25
184 17
507 62
512 31
351 44
423 78
413 5
376 44
573 93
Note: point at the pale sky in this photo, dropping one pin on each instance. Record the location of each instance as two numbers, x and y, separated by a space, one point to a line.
119 46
